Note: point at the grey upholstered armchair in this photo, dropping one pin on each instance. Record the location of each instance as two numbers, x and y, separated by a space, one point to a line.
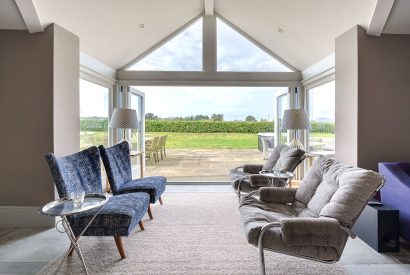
313 221
283 158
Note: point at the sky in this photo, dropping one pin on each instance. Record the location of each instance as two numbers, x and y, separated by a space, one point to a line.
234 53
234 102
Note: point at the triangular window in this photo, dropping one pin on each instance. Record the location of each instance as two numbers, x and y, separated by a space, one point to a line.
182 53
236 53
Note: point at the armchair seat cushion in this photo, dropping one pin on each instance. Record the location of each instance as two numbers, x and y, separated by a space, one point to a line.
254 218
118 216
154 186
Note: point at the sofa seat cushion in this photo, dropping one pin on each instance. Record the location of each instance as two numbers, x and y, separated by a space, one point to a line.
118 216
256 214
154 186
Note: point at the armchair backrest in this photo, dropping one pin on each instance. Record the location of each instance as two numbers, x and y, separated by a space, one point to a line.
77 172
117 163
284 158
336 190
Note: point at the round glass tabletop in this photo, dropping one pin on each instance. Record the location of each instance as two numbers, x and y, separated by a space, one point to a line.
278 174
64 206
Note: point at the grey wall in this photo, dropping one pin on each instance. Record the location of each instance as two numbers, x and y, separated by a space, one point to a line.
39 110
346 72
375 89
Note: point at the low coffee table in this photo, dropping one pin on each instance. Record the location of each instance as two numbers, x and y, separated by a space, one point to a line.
63 208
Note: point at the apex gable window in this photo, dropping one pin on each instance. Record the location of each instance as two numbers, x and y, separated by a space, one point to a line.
181 53
236 53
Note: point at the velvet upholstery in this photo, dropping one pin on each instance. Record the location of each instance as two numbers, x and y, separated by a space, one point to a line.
315 218
396 192
117 163
82 172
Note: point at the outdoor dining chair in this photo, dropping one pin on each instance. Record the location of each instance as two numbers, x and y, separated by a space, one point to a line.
151 150
161 146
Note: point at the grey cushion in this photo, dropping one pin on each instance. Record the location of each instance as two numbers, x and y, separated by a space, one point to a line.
277 194
284 158
331 195
335 190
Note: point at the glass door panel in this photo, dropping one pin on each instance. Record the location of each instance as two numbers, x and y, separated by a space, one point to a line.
137 102
321 106
94 109
282 104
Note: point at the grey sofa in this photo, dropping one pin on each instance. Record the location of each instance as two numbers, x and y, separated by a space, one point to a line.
283 158
313 221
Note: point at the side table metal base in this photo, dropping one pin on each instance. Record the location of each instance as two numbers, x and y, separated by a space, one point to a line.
74 240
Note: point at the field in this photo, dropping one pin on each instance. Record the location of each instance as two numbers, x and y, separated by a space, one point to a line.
193 140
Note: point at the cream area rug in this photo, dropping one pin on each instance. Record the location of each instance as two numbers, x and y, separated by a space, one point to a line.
192 233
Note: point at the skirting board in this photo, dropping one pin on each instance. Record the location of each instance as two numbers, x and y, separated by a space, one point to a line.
24 216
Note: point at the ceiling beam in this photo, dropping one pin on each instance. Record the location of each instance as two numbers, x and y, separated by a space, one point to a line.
209 7
30 16
380 16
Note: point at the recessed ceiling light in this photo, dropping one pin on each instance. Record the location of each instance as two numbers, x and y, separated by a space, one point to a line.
141 26
280 30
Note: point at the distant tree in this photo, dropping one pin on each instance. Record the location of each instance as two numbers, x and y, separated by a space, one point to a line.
250 119
150 116
201 117
217 117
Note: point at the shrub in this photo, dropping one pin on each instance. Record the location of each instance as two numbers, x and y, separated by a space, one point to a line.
322 127
94 124
208 126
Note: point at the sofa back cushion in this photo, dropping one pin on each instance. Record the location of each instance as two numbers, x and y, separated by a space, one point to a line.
284 158
336 190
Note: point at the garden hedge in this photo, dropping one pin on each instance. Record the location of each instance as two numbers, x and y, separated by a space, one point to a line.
203 126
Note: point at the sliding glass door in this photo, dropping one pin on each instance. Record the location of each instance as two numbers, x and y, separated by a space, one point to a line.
282 104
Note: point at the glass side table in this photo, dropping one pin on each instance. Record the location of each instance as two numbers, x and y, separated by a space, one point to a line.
284 177
63 208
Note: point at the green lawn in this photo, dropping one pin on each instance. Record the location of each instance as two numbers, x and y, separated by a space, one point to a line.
322 135
209 140
193 140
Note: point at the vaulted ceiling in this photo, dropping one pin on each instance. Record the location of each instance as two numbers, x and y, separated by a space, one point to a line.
300 31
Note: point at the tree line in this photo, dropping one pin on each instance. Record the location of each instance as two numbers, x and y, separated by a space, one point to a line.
213 117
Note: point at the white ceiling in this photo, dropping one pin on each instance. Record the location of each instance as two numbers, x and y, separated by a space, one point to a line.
399 18
10 18
108 29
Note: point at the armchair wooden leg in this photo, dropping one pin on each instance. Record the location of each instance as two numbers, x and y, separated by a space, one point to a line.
149 212
141 225
120 247
160 201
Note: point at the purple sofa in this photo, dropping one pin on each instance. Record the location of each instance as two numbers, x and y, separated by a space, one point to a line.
396 191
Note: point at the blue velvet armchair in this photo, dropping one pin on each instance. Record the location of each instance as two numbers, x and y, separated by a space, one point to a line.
396 191
82 172
117 163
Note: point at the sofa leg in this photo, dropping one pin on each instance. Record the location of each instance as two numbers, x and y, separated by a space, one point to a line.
160 201
141 225
150 212
120 247
71 253
262 261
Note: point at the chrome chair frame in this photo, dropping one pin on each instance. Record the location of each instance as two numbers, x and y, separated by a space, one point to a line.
268 226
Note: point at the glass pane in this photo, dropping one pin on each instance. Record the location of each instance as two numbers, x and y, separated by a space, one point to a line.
93 114
136 104
210 130
181 53
236 53
322 119
282 105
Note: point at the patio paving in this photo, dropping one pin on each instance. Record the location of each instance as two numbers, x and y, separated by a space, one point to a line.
190 165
